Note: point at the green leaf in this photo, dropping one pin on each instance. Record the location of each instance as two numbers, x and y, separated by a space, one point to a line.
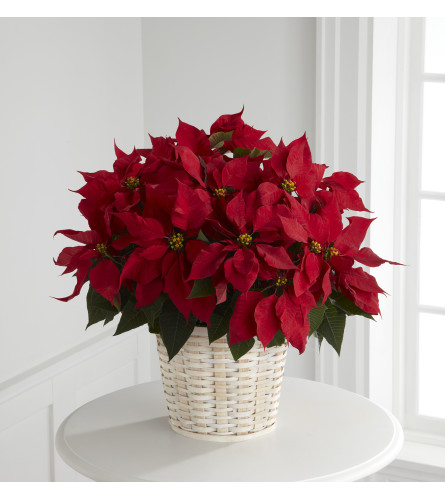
238 350
202 237
257 152
240 152
153 310
154 327
204 168
333 326
219 322
320 339
202 288
296 247
316 316
130 318
99 308
217 139
220 319
175 330
278 340
219 326
346 305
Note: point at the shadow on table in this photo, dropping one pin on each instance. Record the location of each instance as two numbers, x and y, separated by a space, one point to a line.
140 449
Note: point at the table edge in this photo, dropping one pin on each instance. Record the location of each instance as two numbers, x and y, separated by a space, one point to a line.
375 464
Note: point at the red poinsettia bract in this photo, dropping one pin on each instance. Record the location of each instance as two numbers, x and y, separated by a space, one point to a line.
225 229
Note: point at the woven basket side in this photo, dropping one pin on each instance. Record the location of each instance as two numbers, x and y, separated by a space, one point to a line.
210 396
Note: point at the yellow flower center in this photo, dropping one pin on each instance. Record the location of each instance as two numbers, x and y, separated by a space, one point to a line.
176 242
315 247
289 186
330 252
101 248
281 281
220 192
132 183
245 240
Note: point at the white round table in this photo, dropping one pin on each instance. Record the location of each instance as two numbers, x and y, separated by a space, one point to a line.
322 434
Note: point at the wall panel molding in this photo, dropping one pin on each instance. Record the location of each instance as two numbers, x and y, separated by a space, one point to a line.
33 406
343 139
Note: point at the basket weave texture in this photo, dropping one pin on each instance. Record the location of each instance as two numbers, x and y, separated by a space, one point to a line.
214 398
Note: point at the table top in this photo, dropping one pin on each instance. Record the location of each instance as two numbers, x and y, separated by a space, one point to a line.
323 433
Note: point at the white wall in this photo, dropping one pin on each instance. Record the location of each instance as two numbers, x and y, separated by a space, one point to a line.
68 87
199 68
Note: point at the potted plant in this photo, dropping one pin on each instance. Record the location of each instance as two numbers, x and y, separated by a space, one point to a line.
229 248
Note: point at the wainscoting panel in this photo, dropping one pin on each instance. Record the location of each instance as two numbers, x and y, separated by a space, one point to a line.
25 449
32 408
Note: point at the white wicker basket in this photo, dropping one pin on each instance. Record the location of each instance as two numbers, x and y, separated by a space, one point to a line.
214 398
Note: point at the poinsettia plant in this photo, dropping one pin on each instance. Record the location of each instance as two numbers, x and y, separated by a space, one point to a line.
226 230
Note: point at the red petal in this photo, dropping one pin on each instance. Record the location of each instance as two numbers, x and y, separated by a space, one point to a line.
82 273
86 237
307 274
332 220
242 269
268 219
147 294
326 281
105 279
344 179
144 229
236 211
353 235
234 172
266 319
368 301
342 185
242 323
177 288
154 252
196 140
191 163
350 200
203 307
299 159
140 270
269 194
168 261
275 256
341 262
300 282
246 137
294 229
361 280
122 242
221 292
191 208
312 266
266 144
208 261
286 311
367 257
193 248
69 257
227 123
292 322
119 153
123 201
278 160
